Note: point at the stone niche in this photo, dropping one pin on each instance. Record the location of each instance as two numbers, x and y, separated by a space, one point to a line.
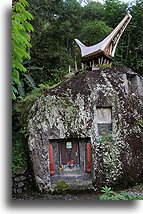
67 122
104 119
70 161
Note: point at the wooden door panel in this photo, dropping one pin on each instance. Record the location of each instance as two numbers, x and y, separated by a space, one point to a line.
68 154
75 153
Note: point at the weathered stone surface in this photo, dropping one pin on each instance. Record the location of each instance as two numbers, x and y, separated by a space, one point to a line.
25 188
20 184
19 190
21 171
70 111
16 179
14 190
20 178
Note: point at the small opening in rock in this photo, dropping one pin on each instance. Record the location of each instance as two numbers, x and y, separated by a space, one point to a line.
104 120
72 160
131 84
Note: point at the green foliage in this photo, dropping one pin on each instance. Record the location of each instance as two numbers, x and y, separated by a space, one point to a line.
129 196
53 44
108 194
23 106
19 154
140 122
57 23
106 136
26 83
94 31
105 66
114 11
92 11
20 41
61 186
134 36
130 47
30 79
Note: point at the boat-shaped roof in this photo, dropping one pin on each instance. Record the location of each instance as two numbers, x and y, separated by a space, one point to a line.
87 51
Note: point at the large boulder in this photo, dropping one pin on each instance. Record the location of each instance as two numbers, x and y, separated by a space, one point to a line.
82 109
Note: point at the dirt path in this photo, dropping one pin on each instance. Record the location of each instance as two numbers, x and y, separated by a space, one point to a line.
137 190
38 196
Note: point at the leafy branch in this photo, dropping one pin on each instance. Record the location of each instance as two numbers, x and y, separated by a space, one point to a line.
108 194
21 29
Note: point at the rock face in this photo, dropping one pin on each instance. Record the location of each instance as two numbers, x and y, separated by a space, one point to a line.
22 181
78 112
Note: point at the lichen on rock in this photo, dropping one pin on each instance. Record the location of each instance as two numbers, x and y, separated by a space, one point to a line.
69 111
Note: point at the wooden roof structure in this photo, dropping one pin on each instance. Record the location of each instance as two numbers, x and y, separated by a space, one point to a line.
104 51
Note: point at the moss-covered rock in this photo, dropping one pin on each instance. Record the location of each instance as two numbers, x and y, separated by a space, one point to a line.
69 111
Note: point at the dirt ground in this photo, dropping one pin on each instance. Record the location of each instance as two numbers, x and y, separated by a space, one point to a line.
38 196
137 190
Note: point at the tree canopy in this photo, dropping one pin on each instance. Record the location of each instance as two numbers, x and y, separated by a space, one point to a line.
57 23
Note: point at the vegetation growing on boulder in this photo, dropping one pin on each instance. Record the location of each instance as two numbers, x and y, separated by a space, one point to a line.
53 50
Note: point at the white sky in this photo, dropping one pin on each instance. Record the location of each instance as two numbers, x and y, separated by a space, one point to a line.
120 0
130 1
102 1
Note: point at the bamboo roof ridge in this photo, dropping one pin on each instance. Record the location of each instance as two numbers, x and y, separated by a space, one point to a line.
107 46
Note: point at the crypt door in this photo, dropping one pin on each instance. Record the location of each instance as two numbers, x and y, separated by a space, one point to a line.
69 152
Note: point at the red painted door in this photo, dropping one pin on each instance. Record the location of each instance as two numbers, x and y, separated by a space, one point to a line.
69 154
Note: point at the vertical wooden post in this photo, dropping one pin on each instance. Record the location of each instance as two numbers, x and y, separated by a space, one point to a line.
51 160
88 157
104 61
101 60
82 66
69 68
75 66
93 64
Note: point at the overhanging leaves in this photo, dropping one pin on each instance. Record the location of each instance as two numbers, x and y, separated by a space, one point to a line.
20 40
